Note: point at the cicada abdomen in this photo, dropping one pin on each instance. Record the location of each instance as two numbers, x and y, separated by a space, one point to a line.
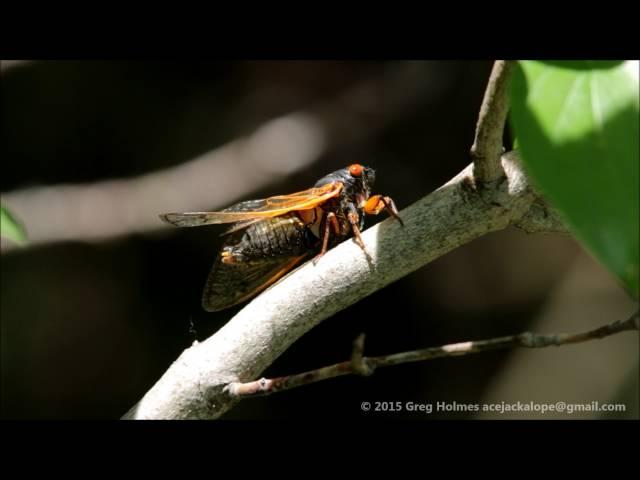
253 258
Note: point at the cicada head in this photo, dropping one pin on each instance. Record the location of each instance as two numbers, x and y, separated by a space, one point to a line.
357 182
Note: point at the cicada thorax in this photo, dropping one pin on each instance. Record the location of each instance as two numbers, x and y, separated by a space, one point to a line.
341 207
253 258
315 220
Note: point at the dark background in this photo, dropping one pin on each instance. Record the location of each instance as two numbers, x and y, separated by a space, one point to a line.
89 326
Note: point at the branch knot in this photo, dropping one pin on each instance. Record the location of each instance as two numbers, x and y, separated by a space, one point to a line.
359 363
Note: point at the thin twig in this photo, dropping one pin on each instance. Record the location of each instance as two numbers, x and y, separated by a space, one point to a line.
359 365
487 146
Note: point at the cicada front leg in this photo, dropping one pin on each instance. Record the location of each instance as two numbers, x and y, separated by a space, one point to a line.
377 203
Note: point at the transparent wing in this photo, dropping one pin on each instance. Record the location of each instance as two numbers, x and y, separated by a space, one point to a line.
230 284
257 209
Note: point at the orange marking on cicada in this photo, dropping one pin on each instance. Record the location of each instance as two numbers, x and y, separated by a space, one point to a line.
227 257
309 217
377 203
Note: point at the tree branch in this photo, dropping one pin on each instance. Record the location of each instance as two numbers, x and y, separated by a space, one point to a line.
359 365
487 146
541 218
6 65
453 215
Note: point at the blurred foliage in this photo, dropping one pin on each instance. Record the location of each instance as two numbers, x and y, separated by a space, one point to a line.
10 228
628 395
577 127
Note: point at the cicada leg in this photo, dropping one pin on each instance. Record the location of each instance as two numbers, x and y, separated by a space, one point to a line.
330 221
354 219
376 203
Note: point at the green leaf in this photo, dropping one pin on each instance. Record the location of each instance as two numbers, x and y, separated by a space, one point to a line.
577 125
10 228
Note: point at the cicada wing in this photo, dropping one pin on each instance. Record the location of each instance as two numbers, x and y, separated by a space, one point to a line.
257 209
189 219
240 226
231 283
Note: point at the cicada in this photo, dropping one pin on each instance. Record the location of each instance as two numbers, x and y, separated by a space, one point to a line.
270 237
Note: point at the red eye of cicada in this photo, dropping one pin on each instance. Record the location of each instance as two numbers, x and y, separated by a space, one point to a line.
356 169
